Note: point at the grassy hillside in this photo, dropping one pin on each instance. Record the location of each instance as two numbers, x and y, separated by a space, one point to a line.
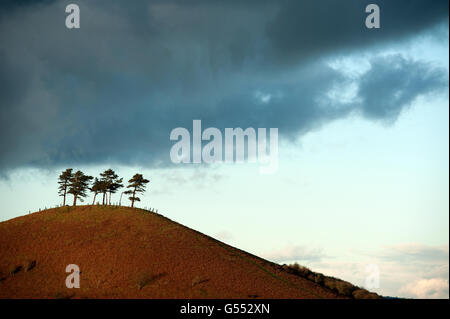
132 253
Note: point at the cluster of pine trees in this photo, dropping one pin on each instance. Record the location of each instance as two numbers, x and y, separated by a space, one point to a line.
78 184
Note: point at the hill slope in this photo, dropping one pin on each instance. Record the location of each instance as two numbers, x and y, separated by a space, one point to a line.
132 253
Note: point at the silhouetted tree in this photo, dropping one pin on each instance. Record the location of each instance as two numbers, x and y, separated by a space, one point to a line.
63 181
79 184
136 185
97 187
104 190
114 187
112 183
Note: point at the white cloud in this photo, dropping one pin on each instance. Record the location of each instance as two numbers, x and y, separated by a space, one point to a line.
409 270
295 253
426 288
415 252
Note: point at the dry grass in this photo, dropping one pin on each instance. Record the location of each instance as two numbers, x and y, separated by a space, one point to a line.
131 253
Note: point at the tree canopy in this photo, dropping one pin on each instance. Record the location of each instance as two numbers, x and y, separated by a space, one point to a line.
79 184
64 181
111 181
137 185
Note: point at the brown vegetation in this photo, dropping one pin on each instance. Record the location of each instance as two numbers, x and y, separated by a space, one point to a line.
341 287
132 253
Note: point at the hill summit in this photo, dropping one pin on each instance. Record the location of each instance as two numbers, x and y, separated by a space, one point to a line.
132 253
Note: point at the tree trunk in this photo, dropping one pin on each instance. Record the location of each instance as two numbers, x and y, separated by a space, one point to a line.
103 201
74 200
120 200
64 198
109 198
132 201
95 195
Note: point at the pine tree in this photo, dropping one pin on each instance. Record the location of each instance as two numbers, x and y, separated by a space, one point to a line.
114 187
79 184
136 185
63 181
112 183
104 190
97 187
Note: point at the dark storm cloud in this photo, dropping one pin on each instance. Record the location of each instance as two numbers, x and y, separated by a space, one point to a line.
304 29
394 82
113 90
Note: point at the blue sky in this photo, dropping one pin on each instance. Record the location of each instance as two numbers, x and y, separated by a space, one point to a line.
363 155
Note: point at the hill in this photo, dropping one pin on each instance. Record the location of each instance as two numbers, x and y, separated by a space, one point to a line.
132 253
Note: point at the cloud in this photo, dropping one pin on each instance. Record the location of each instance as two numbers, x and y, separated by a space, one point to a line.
112 91
295 253
411 270
393 83
308 29
435 288
414 252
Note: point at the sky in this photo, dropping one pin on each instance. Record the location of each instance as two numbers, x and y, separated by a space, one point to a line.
362 116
